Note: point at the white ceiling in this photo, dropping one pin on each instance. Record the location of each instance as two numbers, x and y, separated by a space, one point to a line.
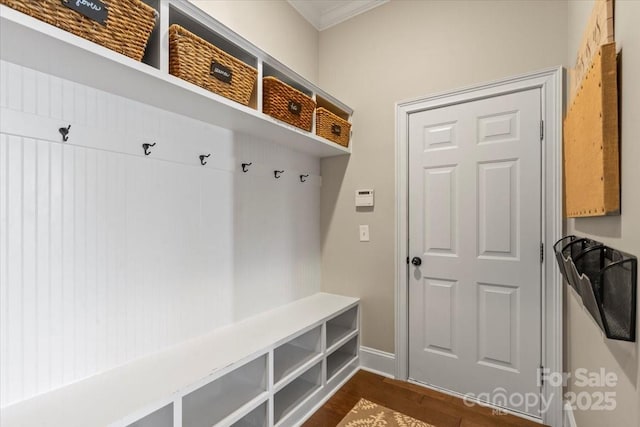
323 14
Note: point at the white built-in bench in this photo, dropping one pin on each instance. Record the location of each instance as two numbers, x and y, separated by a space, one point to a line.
272 369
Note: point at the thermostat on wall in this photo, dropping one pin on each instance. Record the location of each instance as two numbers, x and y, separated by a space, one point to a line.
364 198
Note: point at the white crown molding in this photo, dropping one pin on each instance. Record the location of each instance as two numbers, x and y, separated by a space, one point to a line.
308 12
335 14
346 10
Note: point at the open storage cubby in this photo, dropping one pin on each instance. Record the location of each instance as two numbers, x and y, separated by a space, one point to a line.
606 280
270 71
152 52
341 357
213 402
163 417
341 327
295 353
328 105
256 418
205 32
296 392
30 43
200 29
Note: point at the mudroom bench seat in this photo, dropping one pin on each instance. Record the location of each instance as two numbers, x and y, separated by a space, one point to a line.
272 369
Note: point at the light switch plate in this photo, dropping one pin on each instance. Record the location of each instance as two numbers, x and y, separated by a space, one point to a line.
364 233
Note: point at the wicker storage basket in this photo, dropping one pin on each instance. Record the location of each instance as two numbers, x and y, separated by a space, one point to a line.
285 103
201 63
126 29
332 127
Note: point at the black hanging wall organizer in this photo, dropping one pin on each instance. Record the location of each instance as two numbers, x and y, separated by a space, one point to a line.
606 280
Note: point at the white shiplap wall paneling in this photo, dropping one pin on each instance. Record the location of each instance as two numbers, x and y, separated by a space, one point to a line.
107 255
115 124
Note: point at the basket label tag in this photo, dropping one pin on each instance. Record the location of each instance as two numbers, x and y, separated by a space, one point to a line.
336 129
220 72
295 107
92 9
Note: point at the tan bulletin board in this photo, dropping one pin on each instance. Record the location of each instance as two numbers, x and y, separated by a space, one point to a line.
599 31
591 159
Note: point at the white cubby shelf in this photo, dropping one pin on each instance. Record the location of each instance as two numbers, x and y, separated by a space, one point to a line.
34 44
341 328
295 354
296 392
256 418
272 369
342 357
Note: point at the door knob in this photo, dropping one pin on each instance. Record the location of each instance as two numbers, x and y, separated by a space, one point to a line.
416 261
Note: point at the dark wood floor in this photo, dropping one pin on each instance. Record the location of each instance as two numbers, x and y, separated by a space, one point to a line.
435 408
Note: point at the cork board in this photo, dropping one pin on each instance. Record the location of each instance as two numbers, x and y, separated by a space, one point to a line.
591 160
599 31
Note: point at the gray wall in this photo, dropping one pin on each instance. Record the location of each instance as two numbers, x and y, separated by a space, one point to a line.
407 49
585 345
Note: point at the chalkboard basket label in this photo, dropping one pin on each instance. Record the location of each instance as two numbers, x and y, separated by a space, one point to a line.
294 107
220 72
92 9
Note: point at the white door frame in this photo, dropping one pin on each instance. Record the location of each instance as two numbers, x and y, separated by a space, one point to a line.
550 83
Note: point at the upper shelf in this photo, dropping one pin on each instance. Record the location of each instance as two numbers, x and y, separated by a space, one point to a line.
34 44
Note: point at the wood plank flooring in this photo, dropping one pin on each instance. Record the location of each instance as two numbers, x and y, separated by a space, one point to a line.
435 408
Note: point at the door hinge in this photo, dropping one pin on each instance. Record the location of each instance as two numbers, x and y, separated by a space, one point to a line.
541 130
407 260
541 253
542 375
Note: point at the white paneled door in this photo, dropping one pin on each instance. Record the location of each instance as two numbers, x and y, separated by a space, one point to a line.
474 239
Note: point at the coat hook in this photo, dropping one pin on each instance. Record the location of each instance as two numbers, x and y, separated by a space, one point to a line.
303 178
202 159
146 147
65 133
277 173
245 167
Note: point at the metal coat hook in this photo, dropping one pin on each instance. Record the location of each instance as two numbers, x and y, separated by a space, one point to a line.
146 147
277 174
303 178
245 167
65 133
202 159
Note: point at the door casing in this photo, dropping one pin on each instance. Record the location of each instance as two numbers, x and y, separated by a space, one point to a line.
550 83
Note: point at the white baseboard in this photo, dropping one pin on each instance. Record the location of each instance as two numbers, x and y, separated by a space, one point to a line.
378 362
569 419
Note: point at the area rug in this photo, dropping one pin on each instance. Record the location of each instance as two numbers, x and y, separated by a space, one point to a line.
369 414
